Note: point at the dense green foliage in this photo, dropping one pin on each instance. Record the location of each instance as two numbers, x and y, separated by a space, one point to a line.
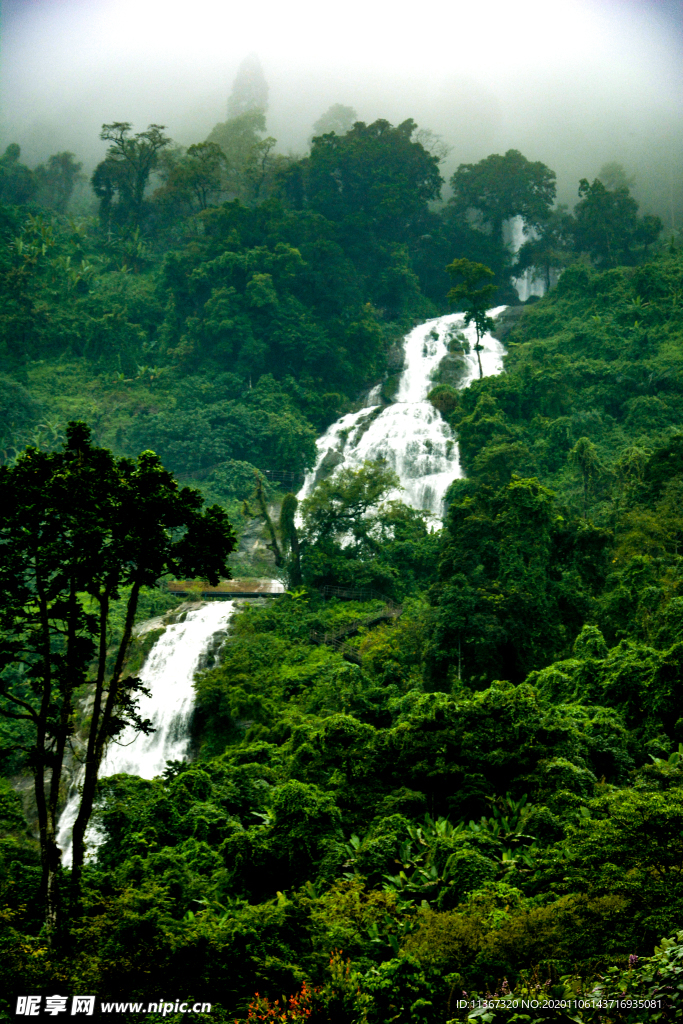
464 772
226 302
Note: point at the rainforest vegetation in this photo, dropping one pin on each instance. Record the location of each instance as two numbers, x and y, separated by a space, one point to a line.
477 789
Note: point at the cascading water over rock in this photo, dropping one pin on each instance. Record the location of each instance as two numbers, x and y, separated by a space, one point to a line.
168 674
410 435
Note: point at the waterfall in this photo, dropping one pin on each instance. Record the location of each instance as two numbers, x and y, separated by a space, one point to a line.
529 283
168 673
410 435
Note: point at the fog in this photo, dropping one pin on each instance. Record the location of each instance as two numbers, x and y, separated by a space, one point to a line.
575 83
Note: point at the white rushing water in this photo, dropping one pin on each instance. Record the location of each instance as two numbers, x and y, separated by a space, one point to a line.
410 435
168 673
530 282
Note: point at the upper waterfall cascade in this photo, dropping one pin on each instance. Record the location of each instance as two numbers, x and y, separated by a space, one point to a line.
529 282
168 674
410 435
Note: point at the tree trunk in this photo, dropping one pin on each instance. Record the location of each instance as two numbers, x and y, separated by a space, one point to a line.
52 895
99 734
54 853
274 546
295 573
49 851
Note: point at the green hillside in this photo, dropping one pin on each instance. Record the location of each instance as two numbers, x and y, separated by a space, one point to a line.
476 791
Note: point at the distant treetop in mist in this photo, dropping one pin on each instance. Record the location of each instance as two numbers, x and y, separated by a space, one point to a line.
249 90
338 119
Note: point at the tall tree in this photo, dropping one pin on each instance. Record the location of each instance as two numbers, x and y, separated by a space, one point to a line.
613 175
376 176
125 172
341 534
476 300
194 178
249 90
56 180
501 187
584 456
608 227
246 152
17 184
290 537
80 522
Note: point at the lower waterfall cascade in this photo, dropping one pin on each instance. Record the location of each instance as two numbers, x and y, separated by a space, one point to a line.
410 435
168 673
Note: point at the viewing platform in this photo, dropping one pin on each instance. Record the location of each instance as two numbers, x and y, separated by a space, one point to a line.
227 589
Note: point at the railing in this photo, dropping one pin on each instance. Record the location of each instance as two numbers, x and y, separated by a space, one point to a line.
337 638
348 652
282 476
285 477
344 594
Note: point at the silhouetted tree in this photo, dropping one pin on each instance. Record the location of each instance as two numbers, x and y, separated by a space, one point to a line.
125 172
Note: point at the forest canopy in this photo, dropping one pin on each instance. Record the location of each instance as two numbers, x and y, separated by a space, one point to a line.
448 761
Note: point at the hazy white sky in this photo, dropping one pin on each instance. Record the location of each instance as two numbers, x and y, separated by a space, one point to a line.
571 82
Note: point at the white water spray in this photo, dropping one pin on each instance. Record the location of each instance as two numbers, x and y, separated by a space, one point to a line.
168 673
410 435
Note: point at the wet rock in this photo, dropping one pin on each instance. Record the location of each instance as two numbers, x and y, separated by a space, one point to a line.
451 370
506 321
331 460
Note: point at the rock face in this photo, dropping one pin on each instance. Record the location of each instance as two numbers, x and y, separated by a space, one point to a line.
452 370
506 321
395 358
252 554
330 461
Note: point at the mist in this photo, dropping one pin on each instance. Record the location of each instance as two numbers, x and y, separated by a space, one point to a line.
576 83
